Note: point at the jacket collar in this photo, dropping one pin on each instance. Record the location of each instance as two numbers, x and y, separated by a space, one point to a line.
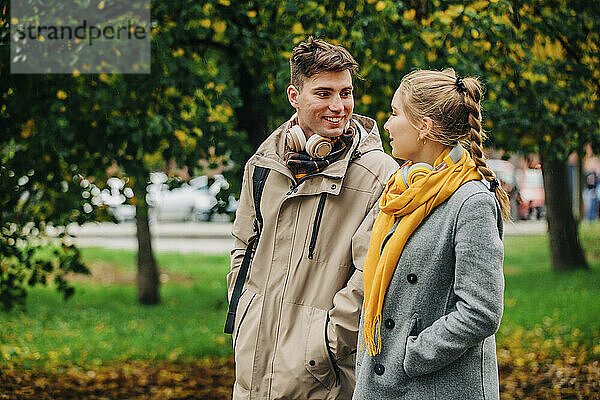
270 155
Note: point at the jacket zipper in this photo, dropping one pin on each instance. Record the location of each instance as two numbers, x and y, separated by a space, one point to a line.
316 224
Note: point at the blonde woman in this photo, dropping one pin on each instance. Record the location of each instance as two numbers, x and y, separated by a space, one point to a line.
433 273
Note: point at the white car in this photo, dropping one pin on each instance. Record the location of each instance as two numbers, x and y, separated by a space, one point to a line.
193 201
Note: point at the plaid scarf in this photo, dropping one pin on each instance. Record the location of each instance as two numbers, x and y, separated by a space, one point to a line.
301 164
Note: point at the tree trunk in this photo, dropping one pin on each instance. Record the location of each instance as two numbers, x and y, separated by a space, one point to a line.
147 277
580 185
251 115
565 247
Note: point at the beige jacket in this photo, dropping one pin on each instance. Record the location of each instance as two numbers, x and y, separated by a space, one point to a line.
297 319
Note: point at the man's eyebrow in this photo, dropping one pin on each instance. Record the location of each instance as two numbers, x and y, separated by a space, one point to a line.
331 89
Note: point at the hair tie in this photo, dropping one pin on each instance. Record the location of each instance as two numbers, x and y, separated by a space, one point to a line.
494 184
460 85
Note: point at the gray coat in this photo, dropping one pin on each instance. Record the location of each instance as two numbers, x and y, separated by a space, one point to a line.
442 308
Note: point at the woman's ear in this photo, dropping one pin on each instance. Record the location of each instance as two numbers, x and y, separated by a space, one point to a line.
293 93
426 128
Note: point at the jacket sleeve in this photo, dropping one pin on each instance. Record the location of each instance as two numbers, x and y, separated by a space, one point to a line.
243 229
344 317
478 284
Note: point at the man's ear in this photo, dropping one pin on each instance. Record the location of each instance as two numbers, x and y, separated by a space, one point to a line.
426 129
293 93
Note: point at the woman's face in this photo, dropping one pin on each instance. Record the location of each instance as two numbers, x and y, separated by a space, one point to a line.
404 138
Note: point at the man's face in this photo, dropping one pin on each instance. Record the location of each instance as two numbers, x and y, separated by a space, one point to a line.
325 103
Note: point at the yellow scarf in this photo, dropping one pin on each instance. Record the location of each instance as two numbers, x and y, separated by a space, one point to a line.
413 204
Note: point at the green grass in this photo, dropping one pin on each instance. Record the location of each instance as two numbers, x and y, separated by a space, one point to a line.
103 324
549 315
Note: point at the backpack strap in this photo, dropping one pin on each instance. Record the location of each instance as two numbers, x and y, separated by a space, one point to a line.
259 177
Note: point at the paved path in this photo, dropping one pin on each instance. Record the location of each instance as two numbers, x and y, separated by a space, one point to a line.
203 237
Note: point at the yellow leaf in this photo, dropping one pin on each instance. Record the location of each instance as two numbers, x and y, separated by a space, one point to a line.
76 73
480 5
14 21
61 95
170 91
380 6
552 107
101 5
400 62
474 33
428 37
445 18
409 14
226 3
366 99
219 26
297 28
205 23
251 14
180 135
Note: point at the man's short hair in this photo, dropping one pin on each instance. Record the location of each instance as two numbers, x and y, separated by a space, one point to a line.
314 56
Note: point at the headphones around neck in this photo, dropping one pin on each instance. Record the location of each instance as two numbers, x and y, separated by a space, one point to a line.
410 173
316 146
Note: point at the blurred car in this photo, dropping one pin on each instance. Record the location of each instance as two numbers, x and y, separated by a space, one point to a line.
114 197
195 200
531 189
192 201
505 172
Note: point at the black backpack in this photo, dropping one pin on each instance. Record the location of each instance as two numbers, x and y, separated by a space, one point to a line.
259 177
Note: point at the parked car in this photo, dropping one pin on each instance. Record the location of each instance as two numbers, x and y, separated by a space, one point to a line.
525 189
531 188
195 200
192 201
505 172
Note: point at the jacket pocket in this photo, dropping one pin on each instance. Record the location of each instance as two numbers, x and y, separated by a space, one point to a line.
414 328
316 356
245 332
242 309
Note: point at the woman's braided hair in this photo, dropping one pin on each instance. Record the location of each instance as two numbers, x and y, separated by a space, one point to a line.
454 105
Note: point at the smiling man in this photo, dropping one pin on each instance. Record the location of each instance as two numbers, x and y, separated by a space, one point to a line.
309 199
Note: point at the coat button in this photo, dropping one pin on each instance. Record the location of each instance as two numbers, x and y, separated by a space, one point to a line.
412 278
333 186
379 369
312 363
389 323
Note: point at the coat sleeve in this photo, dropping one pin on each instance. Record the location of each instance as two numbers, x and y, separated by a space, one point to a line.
478 284
243 229
344 317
